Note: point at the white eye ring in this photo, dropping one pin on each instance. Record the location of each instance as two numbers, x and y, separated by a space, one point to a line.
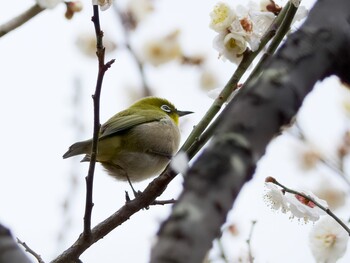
165 108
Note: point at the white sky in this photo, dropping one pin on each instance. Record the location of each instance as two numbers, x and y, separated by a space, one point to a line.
40 62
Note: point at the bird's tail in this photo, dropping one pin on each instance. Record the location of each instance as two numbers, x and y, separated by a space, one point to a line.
78 148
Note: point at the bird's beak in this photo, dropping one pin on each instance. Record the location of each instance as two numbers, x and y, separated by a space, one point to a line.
183 113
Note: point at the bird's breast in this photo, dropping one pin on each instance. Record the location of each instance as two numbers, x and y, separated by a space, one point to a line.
145 150
160 136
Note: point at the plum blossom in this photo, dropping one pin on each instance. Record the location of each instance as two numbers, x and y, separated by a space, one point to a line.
275 198
238 29
303 208
296 205
242 28
328 240
221 17
230 46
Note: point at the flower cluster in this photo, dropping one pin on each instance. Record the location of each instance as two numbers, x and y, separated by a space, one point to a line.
243 27
297 205
239 29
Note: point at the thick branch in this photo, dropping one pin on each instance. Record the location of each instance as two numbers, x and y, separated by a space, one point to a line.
247 125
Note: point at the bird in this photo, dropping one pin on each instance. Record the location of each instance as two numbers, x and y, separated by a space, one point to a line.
136 143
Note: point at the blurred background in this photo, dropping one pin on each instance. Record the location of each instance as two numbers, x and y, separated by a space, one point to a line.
48 76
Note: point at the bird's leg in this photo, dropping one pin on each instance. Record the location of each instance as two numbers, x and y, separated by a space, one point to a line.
132 188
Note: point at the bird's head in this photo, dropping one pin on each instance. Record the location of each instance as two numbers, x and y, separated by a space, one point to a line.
162 106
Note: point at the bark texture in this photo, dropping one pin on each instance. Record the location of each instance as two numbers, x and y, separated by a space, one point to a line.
318 49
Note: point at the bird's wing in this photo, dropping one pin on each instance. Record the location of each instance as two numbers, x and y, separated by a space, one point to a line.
122 122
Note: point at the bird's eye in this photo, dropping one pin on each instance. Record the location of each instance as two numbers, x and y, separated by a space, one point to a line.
165 108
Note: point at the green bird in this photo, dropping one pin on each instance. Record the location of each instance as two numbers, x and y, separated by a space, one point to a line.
138 142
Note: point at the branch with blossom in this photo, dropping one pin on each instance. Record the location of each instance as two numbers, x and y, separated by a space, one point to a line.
304 205
202 133
247 125
328 240
242 28
155 188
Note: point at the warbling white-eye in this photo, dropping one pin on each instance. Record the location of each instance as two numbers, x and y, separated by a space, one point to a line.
138 142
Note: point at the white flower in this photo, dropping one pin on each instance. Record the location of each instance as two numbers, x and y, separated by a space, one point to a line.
296 205
221 17
104 4
49 4
303 208
140 9
230 46
179 163
275 198
162 50
254 22
328 240
238 29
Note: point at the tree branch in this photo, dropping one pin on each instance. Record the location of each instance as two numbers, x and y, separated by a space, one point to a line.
102 68
20 20
126 33
153 190
232 84
246 126
159 184
30 251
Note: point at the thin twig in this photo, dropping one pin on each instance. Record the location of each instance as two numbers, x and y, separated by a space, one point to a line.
30 251
74 176
102 68
163 202
309 198
222 250
20 19
250 254
126 32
